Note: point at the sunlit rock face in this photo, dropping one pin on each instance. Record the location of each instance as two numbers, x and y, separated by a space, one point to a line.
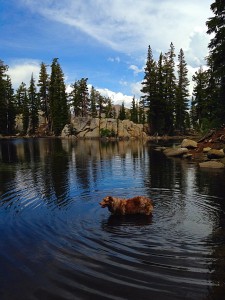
95 128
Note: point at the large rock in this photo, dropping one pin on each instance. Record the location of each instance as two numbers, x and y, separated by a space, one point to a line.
190 144
85 127
214 153
93 127
122 131
212 164
110 124
175 152
66 131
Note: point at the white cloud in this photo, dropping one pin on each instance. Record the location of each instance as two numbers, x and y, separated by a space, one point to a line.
117 98
123 82
21 71
197 49
136 69
136 89
114 59
130 25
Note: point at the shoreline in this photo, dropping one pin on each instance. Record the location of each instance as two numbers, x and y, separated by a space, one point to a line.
147 138
196 154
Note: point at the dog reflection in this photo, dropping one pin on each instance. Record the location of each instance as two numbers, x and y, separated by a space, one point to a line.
128 220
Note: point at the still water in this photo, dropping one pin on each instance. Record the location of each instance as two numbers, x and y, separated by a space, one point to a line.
56 242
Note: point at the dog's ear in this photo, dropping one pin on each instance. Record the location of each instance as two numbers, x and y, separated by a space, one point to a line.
110 199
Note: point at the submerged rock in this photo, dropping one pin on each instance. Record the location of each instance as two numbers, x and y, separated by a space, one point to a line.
175 152
160 148
212 164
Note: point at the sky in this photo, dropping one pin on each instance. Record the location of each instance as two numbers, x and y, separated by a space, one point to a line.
105 41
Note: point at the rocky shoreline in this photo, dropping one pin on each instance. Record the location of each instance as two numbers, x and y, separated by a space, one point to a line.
208 152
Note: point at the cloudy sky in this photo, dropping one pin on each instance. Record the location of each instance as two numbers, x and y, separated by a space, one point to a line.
103 40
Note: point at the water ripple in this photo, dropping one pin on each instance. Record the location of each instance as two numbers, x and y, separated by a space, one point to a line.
58 243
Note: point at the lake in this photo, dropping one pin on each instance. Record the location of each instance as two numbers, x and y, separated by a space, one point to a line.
58 243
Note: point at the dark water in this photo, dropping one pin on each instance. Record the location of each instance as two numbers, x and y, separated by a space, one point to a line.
57 243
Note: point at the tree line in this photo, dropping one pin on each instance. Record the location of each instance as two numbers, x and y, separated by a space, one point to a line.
49 96
165 93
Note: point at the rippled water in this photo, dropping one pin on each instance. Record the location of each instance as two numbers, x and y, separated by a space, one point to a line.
58 243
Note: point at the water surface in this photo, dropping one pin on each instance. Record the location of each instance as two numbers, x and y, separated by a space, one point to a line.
58 243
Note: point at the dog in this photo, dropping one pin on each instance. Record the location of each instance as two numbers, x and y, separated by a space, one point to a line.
137 205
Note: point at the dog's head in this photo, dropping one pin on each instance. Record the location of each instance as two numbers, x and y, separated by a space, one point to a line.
107 201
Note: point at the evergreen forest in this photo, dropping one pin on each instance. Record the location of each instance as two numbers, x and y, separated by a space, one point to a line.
166 104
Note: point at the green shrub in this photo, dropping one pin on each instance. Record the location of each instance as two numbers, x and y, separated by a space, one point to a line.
105 132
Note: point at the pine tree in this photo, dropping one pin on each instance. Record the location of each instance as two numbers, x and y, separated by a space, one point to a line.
149 90
101 101
25 112
160 78
22 105
85 101
169 88
159 87
80 97
141 112
182 93
213 94
199 101
33 106
75 98
3 98
216 27
161 104
43 94
193 114
109 113
11 109
19 98
122 112
134 111
93 102
57 98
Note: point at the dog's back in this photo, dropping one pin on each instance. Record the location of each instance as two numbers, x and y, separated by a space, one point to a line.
136 205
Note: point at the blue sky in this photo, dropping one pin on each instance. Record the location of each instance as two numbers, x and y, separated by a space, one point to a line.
103 40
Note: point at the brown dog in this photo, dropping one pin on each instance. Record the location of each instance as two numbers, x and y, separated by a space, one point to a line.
136 205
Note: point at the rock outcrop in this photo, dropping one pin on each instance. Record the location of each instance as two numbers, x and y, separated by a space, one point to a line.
96 128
